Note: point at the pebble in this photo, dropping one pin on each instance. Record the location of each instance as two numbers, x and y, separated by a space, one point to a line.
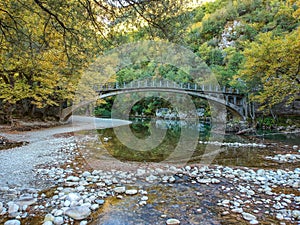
279 216
119 190
58 220
1 207
131 192
94 207
48 223
86 174
254 222
248 216
102 194
49 217
73 178
172 222
151 178
78 212
12 209
84 222
237 210
99 201
58 212
296 214
144 198
73 197
141 203
12 222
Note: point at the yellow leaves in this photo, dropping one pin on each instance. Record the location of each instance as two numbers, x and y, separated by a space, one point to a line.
195 26
273 61
295 4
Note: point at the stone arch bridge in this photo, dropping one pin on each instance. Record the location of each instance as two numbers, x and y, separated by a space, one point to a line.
233 99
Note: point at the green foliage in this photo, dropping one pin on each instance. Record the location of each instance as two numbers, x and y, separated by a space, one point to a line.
266 122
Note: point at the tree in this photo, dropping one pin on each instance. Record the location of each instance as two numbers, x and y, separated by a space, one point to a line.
45 45
272 68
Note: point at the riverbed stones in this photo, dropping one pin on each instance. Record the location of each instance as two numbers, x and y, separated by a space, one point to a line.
245 187
78 212
172 222
1 207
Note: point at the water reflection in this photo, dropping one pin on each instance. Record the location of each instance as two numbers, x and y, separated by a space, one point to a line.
171 124
221 155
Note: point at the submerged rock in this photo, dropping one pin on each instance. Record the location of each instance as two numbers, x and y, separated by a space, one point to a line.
78 212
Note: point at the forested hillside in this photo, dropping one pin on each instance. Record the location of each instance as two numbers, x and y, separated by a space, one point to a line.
46 45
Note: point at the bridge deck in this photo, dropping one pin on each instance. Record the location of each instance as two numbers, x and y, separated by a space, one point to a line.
103 88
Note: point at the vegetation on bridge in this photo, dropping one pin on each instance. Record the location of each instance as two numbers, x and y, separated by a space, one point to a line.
46 45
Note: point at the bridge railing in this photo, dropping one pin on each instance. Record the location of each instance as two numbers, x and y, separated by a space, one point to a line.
164 84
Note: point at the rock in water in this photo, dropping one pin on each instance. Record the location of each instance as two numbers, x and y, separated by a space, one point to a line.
173 222
78 212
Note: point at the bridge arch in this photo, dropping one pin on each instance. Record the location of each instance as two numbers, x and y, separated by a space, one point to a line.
219 100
